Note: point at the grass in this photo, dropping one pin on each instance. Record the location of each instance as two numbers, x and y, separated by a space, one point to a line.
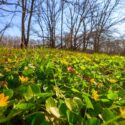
58 87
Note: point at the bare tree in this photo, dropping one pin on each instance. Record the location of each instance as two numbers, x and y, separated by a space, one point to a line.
27 13
48 15
102 19
62 2
23 39
94 17
4 13
78 13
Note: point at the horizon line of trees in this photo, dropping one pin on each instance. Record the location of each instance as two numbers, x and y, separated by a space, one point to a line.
71 24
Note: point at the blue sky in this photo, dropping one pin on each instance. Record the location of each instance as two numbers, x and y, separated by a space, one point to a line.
14 30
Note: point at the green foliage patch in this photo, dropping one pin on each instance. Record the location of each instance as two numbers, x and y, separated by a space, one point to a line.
57 87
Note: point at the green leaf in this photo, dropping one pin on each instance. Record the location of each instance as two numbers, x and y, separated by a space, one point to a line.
44 95
28 93
50 102
107 114
72 118
8 92
54 111
51 107
62 108
28 72
35 89
36 119
113 95
97 109
24 106
122 122
105 100
74 104
112 121
78 101
75 90
89 104
69 103
93 121
11 115
120 102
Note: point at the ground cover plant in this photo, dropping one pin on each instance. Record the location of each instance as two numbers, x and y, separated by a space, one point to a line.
57 87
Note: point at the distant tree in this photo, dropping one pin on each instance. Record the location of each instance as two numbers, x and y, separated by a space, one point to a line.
62 2
102 19
27 13
48 15
4 14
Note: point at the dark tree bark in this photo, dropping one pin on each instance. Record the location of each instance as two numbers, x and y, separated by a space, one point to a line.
27 14
23 39
29 23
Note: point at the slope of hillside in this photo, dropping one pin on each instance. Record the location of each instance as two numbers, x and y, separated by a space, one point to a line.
57 87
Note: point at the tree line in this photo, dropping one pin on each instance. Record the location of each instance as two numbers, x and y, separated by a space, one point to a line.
71 24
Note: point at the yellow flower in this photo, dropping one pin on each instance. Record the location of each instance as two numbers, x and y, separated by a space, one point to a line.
1 75
87 58
95 95
25 68
9 60
82 67
64 62
3 100
23 79
122 111
92 80
112 81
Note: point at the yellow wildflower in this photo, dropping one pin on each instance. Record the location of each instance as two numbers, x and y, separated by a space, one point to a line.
87 58
25 68
64 62
95 95
3 100
92 80
122 111
23 79
1 75
82 67
112 81
9 60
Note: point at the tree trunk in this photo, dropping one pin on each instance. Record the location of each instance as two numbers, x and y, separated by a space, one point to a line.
29 23
23 25
62 4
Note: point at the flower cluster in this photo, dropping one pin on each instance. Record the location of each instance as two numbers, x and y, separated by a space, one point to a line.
3 100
